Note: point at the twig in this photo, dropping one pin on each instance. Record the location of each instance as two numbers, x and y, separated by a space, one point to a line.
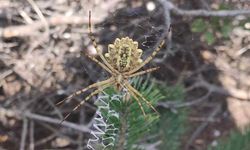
31 144
31 29
5 74
46 139
24 134
74 126
58 133
202 126
45 36
80 135
204 13
170 104
236 93
122 131
203 119
41 16
29 115
167 22
26 17
242 51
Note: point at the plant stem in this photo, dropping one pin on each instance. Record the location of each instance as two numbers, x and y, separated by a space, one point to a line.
122 133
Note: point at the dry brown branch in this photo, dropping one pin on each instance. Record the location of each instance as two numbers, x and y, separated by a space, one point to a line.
24 134
32 29
173 105
202 127
203 13
29 115
81 128
42 84
45 139
232 92
41 16
31 142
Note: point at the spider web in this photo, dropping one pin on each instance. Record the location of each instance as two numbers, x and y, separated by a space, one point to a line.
144 23
103 132
139 28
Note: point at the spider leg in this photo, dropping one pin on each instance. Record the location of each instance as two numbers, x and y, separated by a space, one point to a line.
86 99
148 59
136 98
100 64
92 38
142 72
85 89
138 101
129 87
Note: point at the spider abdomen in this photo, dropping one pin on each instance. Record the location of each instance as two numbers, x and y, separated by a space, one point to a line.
123 60
124 54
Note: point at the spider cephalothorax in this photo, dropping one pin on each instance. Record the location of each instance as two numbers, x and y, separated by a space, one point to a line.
122 61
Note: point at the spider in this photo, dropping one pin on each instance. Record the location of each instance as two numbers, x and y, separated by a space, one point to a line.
122 61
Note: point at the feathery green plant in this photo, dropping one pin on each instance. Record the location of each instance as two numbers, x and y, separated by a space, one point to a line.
173 122
129 124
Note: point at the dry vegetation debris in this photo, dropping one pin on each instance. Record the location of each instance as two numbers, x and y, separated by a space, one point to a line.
41 62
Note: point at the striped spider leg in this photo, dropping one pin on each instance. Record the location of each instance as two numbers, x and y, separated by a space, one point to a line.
92 38
105 66
148 59
136 93
101 83
122 61
89 96
142 72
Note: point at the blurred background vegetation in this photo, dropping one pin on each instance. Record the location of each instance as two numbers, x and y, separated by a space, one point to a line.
201 90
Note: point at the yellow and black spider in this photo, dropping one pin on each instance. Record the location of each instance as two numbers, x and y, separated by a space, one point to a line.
122 61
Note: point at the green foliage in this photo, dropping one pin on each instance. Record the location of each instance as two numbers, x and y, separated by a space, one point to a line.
236 141
172 124
209 38
225 6
169 126
198 25
131 119
213 28
139 125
